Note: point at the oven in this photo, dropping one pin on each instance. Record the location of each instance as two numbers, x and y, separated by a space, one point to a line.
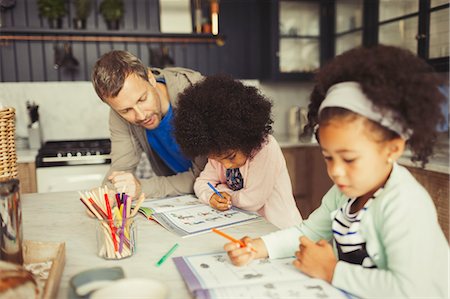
72 165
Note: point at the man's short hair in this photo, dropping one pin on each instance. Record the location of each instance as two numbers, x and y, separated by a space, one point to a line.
111 70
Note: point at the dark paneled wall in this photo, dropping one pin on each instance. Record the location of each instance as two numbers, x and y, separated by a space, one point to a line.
240 21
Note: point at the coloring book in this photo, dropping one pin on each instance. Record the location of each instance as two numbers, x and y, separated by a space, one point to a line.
186 216
210 276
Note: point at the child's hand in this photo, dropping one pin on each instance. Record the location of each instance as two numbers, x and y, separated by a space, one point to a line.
219 203
316 259
240 256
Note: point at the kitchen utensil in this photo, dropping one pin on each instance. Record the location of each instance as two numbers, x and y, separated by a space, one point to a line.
296 121
11 222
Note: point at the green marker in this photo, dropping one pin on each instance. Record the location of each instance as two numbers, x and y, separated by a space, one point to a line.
164 258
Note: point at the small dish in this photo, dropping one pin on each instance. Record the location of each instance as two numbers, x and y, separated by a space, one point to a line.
86 282
141 288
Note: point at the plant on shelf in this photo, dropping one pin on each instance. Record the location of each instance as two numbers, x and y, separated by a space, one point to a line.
82 11
53 10
112 11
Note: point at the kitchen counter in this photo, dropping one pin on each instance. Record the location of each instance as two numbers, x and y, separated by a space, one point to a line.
26 156
286 141
61 217
439 162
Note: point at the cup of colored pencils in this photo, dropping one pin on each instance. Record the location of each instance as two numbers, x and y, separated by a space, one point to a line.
116 227
116 239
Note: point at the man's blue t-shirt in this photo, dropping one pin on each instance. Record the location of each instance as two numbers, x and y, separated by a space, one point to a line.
163 143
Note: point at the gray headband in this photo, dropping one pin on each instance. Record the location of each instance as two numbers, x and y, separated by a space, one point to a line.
349 95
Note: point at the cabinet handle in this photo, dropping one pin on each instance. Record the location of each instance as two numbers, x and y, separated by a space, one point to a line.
421 36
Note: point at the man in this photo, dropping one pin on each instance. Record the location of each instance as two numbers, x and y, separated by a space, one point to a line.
142 102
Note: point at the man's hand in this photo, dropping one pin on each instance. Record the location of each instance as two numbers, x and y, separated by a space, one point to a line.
121 179
219 203
316 259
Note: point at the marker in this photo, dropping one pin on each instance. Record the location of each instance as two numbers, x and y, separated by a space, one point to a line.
241 243
164 258
215 190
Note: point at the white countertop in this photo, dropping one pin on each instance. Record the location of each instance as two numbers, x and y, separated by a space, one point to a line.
26 156
438 162
61 217
286 141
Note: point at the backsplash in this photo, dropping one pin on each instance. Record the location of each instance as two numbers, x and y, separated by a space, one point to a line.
72 110
67 110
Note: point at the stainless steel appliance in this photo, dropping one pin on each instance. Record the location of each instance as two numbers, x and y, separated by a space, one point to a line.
72 165
298 118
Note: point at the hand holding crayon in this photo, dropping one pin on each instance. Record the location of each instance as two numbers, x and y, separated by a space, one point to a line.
242 256
240 242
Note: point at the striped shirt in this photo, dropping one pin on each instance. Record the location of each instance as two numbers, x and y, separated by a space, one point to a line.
351 246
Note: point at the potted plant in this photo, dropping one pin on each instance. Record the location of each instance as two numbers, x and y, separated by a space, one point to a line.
112 11
53 10
4 5
82 11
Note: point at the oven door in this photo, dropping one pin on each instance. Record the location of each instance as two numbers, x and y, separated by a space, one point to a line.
70 178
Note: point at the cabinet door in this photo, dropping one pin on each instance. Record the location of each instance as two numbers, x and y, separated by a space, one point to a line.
309 177
27 177
399 24
419 26
437 185
296 46
299 30
348 25
298 166
439 42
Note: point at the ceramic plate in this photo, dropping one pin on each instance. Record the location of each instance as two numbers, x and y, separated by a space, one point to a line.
132 288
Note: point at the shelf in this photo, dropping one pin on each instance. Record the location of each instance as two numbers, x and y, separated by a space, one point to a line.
292 76
106 36
299 36
440 64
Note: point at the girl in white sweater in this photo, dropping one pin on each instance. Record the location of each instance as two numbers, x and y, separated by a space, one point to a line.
366 106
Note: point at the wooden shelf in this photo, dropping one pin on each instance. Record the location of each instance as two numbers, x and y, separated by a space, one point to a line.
299 36
14 34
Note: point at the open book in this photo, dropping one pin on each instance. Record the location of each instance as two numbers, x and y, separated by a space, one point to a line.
185 215
213 276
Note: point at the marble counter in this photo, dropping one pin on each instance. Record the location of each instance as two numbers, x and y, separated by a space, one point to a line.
26 156
286 141
61 217
439 162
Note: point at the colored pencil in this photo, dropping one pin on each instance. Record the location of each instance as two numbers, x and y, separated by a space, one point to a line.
138 205
215 190
240 242
164 258
111 222
124 218
99 210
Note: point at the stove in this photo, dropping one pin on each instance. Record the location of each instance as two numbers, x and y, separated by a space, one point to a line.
74 152
72 165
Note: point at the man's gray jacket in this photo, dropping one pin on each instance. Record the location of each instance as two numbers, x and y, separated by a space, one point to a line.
128 141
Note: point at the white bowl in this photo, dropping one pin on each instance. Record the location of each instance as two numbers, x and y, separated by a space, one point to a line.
132 288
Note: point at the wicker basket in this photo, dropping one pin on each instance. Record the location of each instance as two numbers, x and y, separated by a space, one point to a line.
8 158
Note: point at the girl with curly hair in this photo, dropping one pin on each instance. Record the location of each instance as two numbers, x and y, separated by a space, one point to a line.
366 106
231 124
